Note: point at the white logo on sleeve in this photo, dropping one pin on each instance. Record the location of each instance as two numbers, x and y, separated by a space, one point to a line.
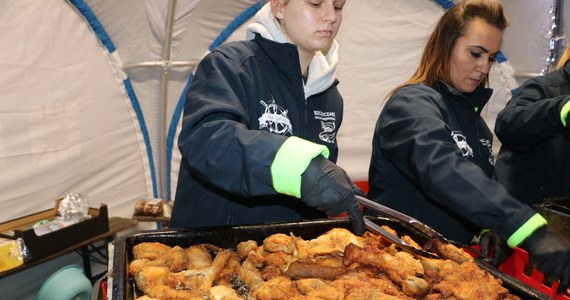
275 119
328 124
461 141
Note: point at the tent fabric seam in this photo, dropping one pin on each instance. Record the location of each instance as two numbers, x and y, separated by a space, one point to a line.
102 35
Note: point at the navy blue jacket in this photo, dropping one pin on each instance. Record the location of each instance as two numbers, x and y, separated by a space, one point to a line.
246 98
432 159
534 160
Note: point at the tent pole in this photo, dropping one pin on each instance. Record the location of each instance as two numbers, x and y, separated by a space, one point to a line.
161 64
556 36
163 120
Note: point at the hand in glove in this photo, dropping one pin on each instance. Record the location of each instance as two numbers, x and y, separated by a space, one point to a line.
500 250
326 187
550 255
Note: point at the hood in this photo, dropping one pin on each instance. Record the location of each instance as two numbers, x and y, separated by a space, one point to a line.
322 68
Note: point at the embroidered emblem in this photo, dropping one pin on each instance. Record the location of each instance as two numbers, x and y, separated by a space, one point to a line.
328 124
275 119
462 144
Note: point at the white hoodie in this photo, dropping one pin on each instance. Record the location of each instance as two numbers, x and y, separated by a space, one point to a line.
322 69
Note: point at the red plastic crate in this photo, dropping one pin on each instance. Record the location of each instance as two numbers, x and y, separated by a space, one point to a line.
517 266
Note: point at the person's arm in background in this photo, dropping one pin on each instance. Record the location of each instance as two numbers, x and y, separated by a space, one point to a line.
532 116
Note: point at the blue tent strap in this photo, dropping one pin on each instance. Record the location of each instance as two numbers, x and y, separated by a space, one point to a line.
238 21
86 11
172 133
100 32
446 4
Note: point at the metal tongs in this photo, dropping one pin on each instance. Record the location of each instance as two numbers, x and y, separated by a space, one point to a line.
434 236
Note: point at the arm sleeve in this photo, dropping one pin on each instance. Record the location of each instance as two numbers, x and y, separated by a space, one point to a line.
533 115
216 141
418 142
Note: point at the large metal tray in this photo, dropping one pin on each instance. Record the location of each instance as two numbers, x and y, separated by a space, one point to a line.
557 212
123 286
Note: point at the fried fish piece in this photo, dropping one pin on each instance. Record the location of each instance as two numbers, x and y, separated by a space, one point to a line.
450 251
319 289
160 283
332 242
366 282
249 274
307 269
402 268
150 250
203 279
462 281
198 257
278 288
279 242
244 248
175 259
220 292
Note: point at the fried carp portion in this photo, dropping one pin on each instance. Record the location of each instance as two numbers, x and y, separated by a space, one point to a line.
402 267
303 269
462 281
318 289
167 277
450 251
278 288
175 259
160 283
332 242
365 282
279 242
150 250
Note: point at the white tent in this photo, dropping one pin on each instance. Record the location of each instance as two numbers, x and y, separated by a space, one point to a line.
91 91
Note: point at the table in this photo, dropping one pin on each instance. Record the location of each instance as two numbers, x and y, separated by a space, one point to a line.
87 249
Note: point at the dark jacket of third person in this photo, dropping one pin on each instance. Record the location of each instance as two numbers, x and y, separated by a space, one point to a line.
432 159
534 160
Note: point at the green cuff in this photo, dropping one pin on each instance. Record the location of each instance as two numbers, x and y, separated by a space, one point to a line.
291 161
564 113
526 230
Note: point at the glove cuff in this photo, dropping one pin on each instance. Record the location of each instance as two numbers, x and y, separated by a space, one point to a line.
564 113
291 160
483 231
526 230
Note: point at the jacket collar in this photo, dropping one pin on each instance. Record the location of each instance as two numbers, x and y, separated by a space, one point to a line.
478 98
283 55
566 70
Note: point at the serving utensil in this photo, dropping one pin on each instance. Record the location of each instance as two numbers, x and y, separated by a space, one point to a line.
436 241
396 240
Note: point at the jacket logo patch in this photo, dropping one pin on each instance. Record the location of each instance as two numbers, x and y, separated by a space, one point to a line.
461 141
275 119
328 124
489 145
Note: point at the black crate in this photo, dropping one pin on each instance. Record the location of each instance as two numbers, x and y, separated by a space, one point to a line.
45 245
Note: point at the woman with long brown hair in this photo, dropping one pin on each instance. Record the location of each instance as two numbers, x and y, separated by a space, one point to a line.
432 151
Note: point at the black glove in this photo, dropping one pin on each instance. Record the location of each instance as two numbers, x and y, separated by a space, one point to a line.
326 187
550 255
500 250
